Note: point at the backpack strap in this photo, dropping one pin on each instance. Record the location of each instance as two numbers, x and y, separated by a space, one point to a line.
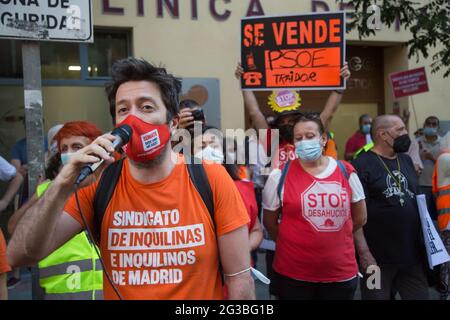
343 169
282 180
198 176
103 194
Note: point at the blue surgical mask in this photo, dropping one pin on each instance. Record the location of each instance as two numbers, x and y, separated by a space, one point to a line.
210 154
308 150
65 157
366 128
430 132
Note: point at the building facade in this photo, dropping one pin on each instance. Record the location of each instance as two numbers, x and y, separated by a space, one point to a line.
200 39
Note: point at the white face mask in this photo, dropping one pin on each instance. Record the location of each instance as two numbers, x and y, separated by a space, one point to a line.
210 154
65 157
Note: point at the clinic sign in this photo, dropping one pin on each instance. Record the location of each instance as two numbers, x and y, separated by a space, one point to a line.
47 20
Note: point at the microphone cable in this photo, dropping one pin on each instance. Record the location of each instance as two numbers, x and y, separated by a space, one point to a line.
95 246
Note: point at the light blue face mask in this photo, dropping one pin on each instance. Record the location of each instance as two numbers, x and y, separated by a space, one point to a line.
430 132
308 150
366 128
65 157
211 154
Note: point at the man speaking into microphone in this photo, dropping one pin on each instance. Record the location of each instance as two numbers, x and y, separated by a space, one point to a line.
163 226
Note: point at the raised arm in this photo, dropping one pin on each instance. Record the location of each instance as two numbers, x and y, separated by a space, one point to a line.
334 100
251 104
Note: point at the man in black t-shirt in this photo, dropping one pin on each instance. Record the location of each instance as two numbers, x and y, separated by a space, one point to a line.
392 237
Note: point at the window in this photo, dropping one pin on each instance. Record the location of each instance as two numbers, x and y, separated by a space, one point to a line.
109 46
70 61
10 59
60 60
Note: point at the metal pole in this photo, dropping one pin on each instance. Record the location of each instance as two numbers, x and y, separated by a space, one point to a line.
31 59
415 114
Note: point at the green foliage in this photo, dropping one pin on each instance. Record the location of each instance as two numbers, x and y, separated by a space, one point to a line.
428 23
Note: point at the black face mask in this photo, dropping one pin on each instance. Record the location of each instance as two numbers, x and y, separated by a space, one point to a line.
402 144
286 133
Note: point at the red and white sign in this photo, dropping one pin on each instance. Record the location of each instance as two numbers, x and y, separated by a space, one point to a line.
326 205
408 83
150 140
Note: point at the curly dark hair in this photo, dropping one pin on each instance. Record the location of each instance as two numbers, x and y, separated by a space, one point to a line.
132 69
53 166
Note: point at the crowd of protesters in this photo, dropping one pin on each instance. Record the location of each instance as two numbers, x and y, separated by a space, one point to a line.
184 218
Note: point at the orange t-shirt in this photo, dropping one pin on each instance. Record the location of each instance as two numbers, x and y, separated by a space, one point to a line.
331 149
158 240
4 266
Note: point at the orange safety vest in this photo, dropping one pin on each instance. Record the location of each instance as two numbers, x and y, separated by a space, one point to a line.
442 200
331 148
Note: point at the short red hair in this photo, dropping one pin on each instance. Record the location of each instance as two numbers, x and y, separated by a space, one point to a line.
77 129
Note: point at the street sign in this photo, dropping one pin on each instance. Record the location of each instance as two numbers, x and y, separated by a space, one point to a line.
47 20
408 83
33 21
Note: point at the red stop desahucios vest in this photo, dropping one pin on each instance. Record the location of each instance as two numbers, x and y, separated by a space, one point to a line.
315 239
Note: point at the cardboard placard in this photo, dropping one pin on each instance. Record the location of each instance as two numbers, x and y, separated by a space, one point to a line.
293 52
436 251
408 83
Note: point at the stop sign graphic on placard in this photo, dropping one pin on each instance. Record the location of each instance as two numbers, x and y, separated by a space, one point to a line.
326 205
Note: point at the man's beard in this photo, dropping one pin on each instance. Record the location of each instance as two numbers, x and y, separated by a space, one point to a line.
155 162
